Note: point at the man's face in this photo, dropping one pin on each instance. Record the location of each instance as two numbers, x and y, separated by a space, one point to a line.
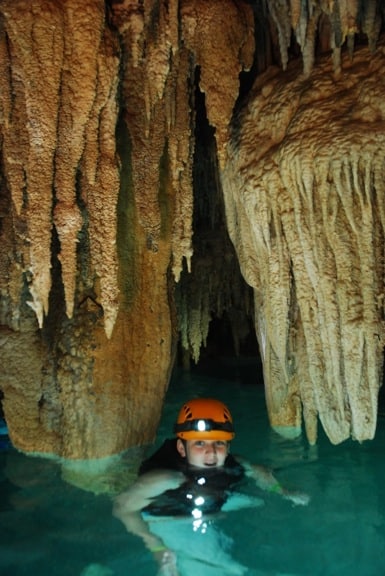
204 453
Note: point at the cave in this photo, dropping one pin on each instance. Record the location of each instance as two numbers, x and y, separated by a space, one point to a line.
184 178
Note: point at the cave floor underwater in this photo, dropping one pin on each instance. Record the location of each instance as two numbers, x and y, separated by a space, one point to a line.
50 527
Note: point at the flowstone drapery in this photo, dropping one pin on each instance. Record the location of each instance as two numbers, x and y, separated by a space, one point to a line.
304 189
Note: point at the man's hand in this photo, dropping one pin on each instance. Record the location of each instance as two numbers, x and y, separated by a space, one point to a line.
298 498
166 560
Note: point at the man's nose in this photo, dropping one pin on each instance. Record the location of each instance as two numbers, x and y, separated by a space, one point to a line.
211 448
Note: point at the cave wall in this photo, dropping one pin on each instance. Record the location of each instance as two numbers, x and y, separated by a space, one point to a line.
100 273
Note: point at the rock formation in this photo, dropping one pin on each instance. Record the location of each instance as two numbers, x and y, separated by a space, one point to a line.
99 193
304 188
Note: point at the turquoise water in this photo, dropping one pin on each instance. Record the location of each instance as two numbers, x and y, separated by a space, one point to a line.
49 527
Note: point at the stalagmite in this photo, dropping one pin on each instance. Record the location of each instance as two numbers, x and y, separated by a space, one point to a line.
307 205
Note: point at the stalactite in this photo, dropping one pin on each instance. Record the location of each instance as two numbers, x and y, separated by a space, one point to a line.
78 89
348 10
214 287
371 22
309 207
280 13
100 181
47 111
156 83
296 12
347 18
181 158
222 52
299 23
29 132
158 117
308 42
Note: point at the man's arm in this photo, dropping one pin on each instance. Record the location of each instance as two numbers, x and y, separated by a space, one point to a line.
129 504
265 480
128 507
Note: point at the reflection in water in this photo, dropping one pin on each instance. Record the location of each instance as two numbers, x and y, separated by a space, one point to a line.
51 527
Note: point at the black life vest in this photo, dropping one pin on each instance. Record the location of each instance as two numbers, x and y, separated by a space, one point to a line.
204 491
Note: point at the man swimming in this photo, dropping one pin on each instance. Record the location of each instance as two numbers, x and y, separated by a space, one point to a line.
192 476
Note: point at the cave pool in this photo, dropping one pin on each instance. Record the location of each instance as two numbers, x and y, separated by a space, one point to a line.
51 527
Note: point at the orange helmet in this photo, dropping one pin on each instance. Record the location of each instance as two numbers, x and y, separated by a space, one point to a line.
204 419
